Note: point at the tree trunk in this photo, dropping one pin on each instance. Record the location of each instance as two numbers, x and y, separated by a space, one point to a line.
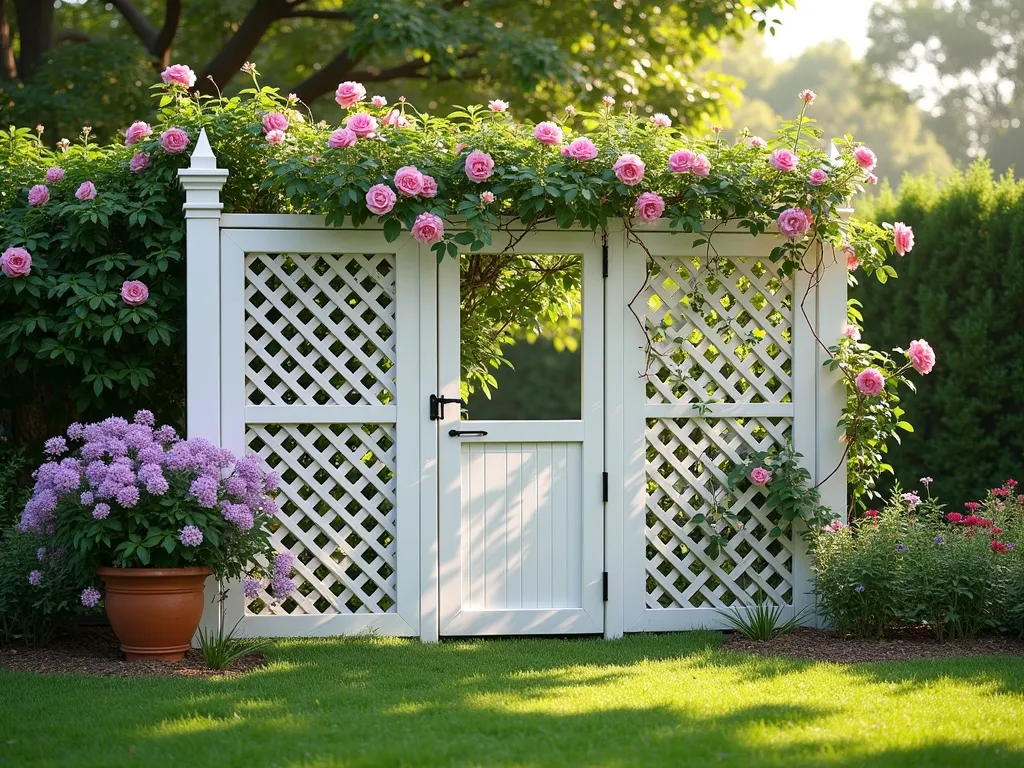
8 71
35 31
239 48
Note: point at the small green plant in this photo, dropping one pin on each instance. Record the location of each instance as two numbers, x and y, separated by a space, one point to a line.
762 621
220 651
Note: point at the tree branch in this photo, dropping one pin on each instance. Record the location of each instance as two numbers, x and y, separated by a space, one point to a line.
327 78
162 46
8 69
137 21
35 33
158 43
314 14
239 47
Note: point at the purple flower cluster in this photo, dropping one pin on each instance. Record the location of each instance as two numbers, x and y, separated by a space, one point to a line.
90 597
191 536
280 583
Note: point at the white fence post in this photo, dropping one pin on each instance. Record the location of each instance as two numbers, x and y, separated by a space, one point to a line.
203 182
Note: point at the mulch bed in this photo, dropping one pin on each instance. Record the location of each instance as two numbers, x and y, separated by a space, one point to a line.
95 651
821 645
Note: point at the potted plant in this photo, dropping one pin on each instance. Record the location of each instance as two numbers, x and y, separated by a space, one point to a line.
154 516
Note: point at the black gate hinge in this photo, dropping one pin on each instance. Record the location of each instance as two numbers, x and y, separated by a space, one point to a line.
604 486
604 586
604 257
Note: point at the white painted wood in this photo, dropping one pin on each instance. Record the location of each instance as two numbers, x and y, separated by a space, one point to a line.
831 393
320 414
428 473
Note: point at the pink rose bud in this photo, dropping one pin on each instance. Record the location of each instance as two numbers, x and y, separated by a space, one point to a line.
817 177
760 476
870 382
179 74
757 142
275 137
650 206
608 101
580 149
922 356
903 238
808 96
87 191
361 124
428 229
138 163
479 166
349 94
497 105
38 195
408 181
380 199
784 160
629 169
53 175
342 138
429 186
865 158
136 132
548 133
794 222
134 293
379 101
570 110
852 262
871 178
487 197
174 140
274 121
852 332
661 120
16 262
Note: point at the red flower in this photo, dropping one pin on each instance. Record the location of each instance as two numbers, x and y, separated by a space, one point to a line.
974 520
1011 483
998 546
1002 493
872 513
996 530
954 517
972 506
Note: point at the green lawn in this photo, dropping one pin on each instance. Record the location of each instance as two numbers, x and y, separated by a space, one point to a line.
672 700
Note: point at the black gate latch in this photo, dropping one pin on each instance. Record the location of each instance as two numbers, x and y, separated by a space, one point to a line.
437 405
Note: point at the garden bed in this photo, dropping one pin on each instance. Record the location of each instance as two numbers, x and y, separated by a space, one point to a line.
899 645
95 651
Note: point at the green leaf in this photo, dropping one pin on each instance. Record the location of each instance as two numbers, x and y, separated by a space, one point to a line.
392 229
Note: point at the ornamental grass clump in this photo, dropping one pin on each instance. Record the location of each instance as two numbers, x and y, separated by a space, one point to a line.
133 495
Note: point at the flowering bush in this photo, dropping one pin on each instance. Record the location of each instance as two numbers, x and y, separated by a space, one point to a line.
132 495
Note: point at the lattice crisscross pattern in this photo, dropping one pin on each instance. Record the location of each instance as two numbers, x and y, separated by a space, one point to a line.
319 329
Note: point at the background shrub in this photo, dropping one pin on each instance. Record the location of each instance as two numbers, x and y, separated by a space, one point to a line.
29 613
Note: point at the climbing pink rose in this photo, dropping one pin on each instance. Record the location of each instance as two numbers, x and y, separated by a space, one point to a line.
487 197
138 163
479 166
757 142
174 140
429 186
179 74
395 119
408 181
784 160
361 124
497 105
807 95
661 120
580 149
650 206
922 356
865 158
701 166
629 169
16 262
87 191
380 199
903 238
274 121
379 101
547 133
681 161
428 228
760 476
53 175
38 195
349 94
275 137
851 257
341 138
851 332
817 177
870 382
794 222
134 293
136 132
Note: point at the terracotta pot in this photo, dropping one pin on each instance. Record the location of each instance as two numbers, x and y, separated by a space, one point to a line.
154 611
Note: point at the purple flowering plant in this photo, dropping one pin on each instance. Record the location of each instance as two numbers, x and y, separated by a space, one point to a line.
134 495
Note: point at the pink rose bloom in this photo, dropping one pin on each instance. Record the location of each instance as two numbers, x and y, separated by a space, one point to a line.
341 138
134 293
547 133
851 332
174 140
794 222
136 132
808 96
380 199
681 161
903 238
396 119
852 262
429 186
922 356
275 137
783 160
138 163
349 94
361 124
38 195
757 142
274 121
760 476
865 158
701 166
870 382
479 166
608 101
53 175
87 191
650 206
408 181
179 74
580 149
16 262
497 105
817 177
487 197
428 228
629 169
661 120
379 101
871 178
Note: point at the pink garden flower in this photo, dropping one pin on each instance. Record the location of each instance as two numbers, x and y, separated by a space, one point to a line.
349 94
808 96
408 181
817 177
629 169
275 137
794 222
136 132
608 101
134 293
138 163
428 228
479 166
852 332
38 195
570 110
487 197
361 124
379 101
783 160
922 356
757 142
16 262
429 186
174 140
274 121
681 161
903 238
760 476
852 262
86 191
380 199
701 166
53 175
497 105
341 138
179 74
548 133
580 149
650 206
661 120
871 178
395 119
865 158
870 382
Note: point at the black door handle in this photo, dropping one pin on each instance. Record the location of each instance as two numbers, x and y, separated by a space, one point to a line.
466 433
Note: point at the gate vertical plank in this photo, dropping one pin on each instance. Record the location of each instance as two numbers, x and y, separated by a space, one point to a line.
427 303
830 389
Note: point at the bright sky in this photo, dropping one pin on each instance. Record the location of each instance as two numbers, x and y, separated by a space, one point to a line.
816 21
